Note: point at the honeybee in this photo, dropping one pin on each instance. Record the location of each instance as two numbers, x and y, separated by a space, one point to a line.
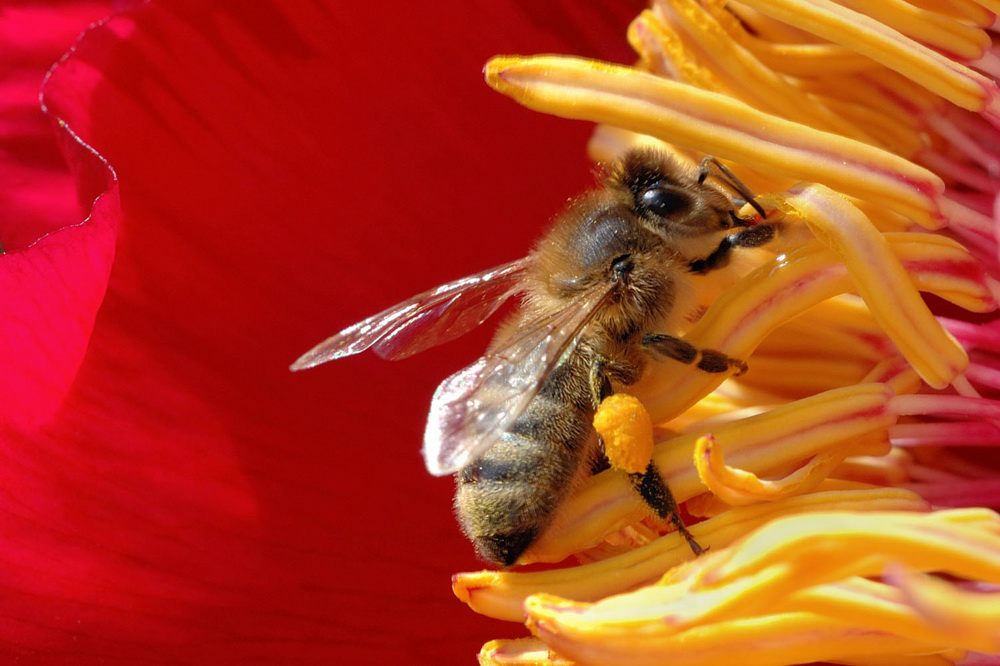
516 425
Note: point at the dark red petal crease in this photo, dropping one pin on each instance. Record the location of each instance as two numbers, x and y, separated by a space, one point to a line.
171 492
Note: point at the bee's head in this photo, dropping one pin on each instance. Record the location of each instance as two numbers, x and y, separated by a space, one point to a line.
671 199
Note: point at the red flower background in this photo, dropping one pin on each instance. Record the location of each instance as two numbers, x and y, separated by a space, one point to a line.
169 492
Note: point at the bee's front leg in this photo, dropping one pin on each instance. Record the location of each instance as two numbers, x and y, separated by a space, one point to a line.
755 236
649 484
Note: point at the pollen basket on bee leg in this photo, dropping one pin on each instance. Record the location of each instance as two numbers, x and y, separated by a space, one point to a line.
627 431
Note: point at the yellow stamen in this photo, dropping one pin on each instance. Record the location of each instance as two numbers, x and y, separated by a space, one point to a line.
727 67
938 32
519 652
880 280
968 615
970 11
944 658
709 610
964 542
791 58
738 487
717 124
770 640
796 281
883 44
879 605
888 470
501 594
768 444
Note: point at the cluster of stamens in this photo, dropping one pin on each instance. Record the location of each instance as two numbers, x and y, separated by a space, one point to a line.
819 479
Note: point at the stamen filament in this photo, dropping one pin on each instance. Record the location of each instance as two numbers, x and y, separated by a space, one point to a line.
881 281
739 487
759 303
718 125
690 617
501 594
769 443
883 44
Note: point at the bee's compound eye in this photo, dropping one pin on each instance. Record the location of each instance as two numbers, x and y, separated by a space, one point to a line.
663 201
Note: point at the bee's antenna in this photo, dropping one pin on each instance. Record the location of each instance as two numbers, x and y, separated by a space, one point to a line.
729 179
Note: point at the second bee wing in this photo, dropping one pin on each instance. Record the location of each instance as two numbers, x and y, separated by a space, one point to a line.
426 320
475 406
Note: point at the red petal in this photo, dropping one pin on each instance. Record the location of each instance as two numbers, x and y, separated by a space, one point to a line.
52 283
285 169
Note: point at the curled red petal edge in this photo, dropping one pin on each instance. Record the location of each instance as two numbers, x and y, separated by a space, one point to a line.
54 287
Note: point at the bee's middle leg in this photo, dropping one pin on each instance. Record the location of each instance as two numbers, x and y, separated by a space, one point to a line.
649 484
678 349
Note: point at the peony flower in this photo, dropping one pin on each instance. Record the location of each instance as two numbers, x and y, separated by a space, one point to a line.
245 178
249 178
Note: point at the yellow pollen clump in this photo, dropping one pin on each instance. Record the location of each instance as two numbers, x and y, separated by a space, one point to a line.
627 431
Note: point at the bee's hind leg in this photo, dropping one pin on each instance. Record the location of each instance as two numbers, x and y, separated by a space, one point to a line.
656 493
649 484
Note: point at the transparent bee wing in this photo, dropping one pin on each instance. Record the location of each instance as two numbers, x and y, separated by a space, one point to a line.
475 406
426 320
